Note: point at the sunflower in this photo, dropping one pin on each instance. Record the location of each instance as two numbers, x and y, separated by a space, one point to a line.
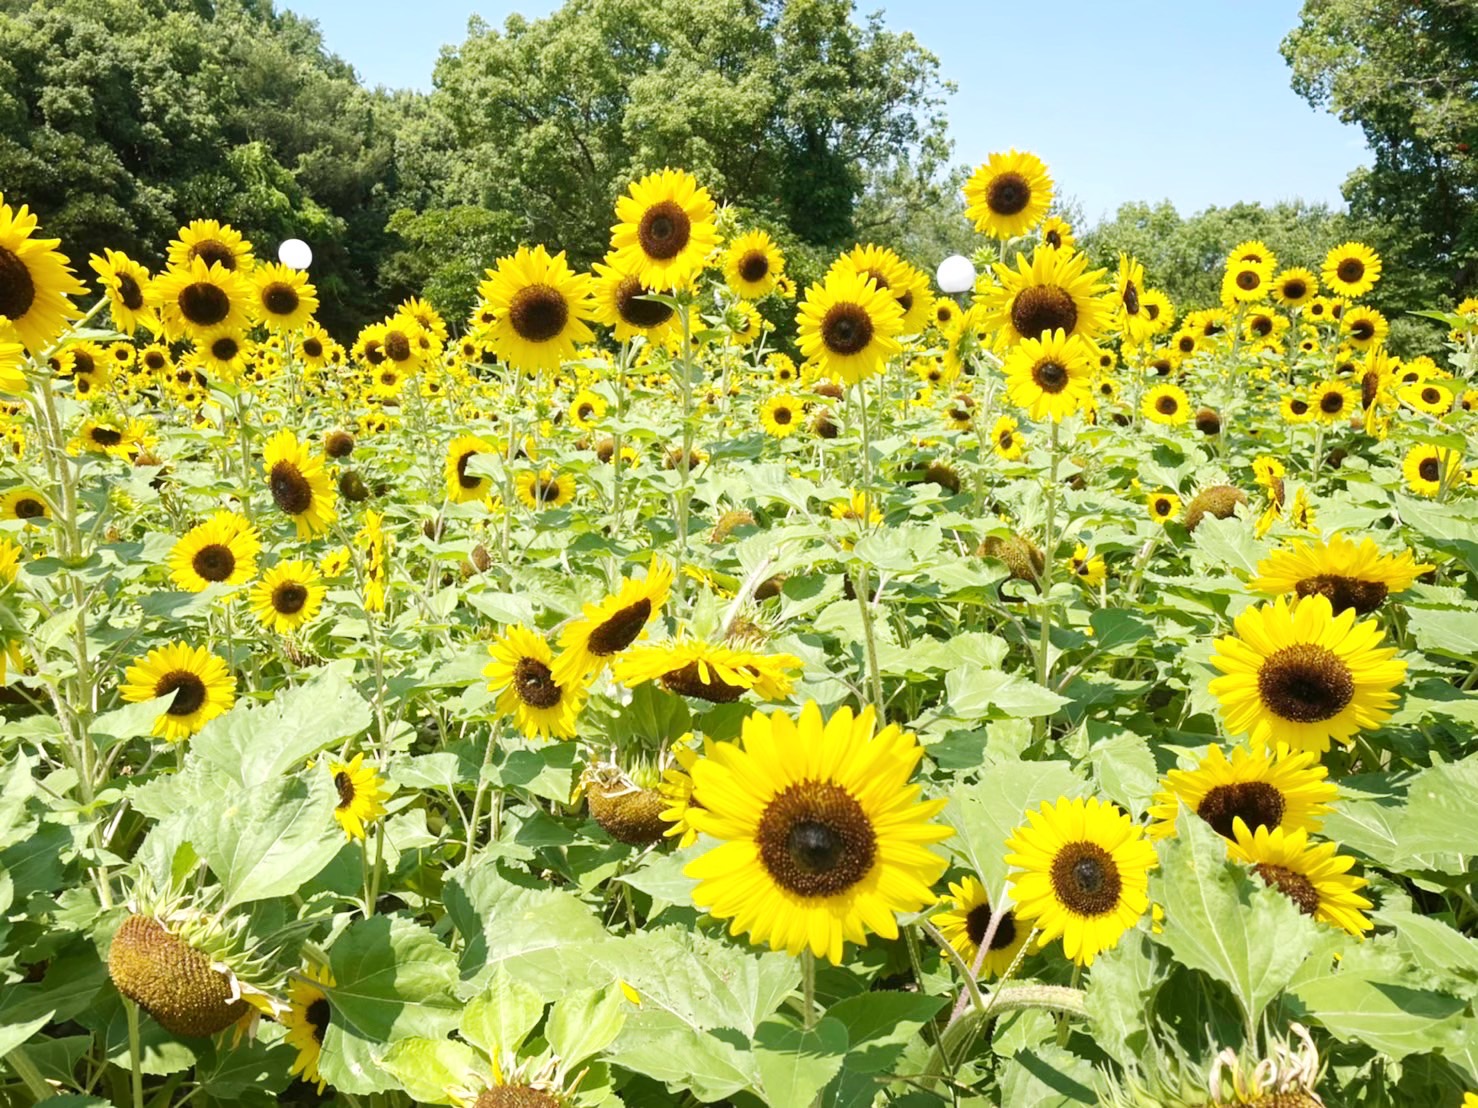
1050 293
521 675
1429 469
362 794
624 303
664 231
1314 877
225 354
822 838
25 504
214 244
1133 321
35 281
717 674
288 596
222 550
1008 195
781 415
1159 309
463 487
1057 234
1350 576
126 283
905 284
372 539
744 322
298 484
1246 282
202 685
1006 439
965 925
751 265
1295 408
1085 872
1167 404
545 489
604 630
587 409
197 300
1351 269
98 436
1092 570
307 1021
1427 396
1262 786
847 326
1163 506
284 300
1050 377
1364 327
1295 287
1296 673
12 359
540 306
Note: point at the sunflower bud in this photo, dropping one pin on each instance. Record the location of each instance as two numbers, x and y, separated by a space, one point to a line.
338 444
352 486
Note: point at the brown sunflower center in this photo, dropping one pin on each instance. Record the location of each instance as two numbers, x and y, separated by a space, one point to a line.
754 266
1429 470
846 329
214 562
1162 507
1295 288
1295 886
1350 270
515 1096
188 689
204 304
106 436
225 348
289 597
689 680
1086 879
1052 238
1258 803
664 230
290 489
214 252
619 629
1131 298
129 292
317 1015
538 313
1008 194
338 444
1305 683
1005 439
534 684
1362 330
374 352
313 347
636 309
1187 344
1043 308
1167 405
546 490
1050 375
781 415
17 288
29 508
815 840
280 298
1344 592
465 479
585 412
1431 395
1261 326
345 784
154 360
398 347
1298 406
1248 279
977 922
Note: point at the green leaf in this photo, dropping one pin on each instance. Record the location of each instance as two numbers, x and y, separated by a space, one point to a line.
393 979
796 1063
1124 767
271 839
1116 628
427 1068
1386 1016
1047 1076
14 1034
985 814
583 1024
1221 920
500 1018
1445 631
660 1045
881 1025
972 693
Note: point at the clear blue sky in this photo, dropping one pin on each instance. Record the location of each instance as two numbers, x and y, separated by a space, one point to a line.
1186 100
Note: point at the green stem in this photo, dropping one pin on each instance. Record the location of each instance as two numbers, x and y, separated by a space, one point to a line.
135 1051
1049 549
808 988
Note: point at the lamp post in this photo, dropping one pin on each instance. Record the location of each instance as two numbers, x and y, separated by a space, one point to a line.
956 274
295 254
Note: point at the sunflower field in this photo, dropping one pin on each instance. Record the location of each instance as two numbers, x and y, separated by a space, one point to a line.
671 686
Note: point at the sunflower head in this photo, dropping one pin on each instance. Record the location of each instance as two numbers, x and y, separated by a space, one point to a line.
665 229
1008 195
171 980
1216 500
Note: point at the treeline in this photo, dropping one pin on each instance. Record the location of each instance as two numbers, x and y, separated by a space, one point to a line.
122 119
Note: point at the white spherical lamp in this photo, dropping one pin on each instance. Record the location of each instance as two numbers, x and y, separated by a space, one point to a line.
956 274
296 254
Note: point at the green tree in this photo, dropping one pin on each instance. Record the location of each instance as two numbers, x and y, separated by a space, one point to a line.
120 120
1405 71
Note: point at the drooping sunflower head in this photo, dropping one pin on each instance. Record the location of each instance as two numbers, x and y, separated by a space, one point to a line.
822 838
1261 786
35 281
1052 292
1351 269
171 980
1008 195
1220 501
604 630
198 682
706 671
1296 673
1084 869
665 229
1350 575
847 326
